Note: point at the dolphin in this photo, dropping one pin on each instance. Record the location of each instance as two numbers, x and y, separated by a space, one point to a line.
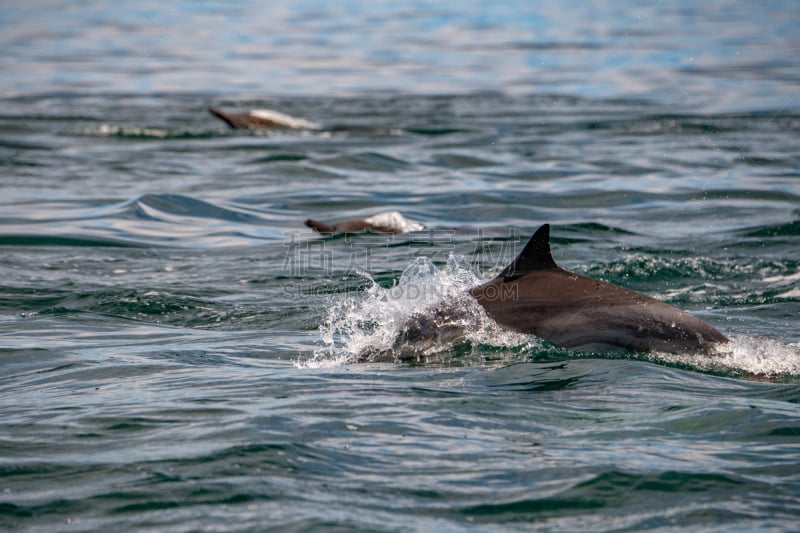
391 222
352 225
533 295
258 119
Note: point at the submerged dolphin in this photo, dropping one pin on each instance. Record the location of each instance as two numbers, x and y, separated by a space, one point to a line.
258 119
534 295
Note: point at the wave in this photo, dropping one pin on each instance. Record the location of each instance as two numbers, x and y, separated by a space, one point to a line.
602 490
169 220
143 133
75 241
789 229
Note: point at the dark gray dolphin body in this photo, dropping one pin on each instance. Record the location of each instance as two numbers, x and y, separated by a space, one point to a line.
534 295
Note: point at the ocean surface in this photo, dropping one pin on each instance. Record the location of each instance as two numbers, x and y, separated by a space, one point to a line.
178 352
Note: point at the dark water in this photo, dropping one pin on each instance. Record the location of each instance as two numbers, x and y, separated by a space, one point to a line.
177 349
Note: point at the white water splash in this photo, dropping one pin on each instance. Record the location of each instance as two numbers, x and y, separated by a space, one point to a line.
395 222
753 356
370 322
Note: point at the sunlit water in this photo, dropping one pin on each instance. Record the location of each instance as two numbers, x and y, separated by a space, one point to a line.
179 352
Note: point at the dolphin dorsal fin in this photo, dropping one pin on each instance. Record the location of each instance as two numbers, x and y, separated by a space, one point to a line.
535 256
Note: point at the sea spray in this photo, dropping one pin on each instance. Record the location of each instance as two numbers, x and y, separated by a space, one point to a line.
427 311
752 357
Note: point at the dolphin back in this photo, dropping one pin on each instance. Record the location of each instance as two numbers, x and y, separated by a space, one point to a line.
535 296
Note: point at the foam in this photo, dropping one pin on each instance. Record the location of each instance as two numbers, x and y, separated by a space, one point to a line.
395 221
782 279
753 356
786 284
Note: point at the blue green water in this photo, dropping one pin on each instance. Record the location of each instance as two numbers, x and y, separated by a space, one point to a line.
178 351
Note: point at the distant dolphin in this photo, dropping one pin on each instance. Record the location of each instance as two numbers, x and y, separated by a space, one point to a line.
258 119
533 295
391 222
353 225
